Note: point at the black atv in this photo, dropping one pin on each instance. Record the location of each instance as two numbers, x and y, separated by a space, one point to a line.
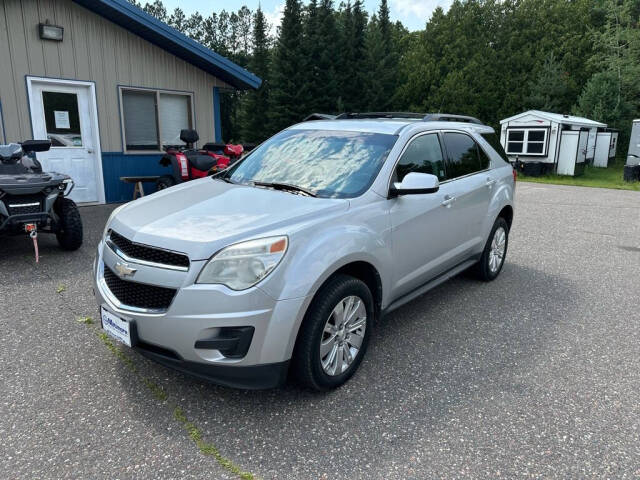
32 201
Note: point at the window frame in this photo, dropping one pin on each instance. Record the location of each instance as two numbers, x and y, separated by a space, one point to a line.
478 146
413 139
157 92
525 140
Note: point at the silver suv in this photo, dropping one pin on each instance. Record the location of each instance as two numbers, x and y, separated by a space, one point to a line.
283 264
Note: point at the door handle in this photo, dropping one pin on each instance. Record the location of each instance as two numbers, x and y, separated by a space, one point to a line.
490 182
448 200
89 150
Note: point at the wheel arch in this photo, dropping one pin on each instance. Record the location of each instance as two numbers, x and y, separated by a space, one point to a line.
507 214
360 269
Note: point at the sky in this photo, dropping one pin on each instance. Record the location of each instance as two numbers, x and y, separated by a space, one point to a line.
412 13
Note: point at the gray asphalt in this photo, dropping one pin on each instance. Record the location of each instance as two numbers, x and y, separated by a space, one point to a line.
536 374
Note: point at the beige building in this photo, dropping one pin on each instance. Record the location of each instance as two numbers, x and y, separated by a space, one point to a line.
109 85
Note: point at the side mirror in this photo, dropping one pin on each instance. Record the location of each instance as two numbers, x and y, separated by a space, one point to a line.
415 183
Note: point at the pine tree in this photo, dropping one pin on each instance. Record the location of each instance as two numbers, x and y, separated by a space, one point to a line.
320 93
157 10
383 61
256 104
354 63
549 89
178 20
288 70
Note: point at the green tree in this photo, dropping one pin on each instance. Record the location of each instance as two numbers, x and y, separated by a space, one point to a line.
256 104
156 9
288 75
383 61
549 89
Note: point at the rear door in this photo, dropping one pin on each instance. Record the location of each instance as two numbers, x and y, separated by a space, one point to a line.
468 172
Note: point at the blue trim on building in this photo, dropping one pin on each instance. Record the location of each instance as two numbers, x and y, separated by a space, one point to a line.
146 26
119 164
217 122
4 132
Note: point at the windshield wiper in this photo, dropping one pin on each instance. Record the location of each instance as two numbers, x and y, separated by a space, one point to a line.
285 187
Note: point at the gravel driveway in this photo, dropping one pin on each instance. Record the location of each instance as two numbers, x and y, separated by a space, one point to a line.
534 375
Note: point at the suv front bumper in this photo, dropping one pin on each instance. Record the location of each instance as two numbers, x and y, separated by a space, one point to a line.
215 318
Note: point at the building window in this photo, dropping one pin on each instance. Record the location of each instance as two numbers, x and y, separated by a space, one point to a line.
527 141
152 119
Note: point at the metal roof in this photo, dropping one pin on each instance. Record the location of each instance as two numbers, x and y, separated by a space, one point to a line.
150 28
558 118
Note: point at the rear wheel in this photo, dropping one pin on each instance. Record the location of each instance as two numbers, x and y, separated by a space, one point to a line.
495 251
334 335
69 232
165 182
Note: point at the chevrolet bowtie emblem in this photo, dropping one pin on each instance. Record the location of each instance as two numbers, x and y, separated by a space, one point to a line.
124 270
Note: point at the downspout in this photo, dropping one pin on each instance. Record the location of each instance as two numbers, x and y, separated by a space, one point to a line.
217 123
4 131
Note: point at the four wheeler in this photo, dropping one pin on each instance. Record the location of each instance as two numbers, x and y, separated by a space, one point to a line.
32 201
188 163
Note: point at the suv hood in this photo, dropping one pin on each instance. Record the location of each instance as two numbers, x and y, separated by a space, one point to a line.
201 217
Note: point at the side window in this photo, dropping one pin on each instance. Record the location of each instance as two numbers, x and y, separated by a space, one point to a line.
484 158
462 155
492 139
423 155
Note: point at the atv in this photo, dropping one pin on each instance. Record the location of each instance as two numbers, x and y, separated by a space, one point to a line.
188 163
32 201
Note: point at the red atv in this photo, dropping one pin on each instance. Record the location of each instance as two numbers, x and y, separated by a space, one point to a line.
188 163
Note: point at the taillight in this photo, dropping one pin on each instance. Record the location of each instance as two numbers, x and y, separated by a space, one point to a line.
184 166
515 176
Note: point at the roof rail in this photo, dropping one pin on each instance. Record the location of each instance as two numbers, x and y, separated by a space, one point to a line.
449 117
365 115
318 116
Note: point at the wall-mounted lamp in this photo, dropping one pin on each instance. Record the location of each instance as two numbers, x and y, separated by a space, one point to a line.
50 32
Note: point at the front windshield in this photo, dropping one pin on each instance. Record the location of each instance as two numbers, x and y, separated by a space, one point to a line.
328 163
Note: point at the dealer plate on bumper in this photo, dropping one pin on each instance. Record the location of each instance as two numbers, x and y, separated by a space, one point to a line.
116 327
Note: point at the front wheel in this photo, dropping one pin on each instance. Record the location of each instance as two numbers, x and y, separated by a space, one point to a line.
334 335
69 232
495 251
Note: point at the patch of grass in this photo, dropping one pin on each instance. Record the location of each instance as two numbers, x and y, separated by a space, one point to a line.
61 288
610 177
156 390
208 448
86 320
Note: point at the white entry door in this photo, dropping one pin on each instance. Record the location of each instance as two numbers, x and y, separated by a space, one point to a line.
64 111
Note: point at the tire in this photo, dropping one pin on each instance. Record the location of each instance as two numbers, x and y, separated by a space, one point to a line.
69 234
487 269
165 182
309 367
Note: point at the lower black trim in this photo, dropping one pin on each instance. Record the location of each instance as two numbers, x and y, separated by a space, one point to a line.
254 377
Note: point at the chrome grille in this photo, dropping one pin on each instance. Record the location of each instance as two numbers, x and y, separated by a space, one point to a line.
137 251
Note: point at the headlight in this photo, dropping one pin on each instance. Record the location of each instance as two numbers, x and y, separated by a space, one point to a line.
244 264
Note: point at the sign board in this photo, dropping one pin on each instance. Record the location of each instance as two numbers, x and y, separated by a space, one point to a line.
62 119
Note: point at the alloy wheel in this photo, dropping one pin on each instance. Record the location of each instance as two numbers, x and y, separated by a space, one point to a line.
343 335
496 253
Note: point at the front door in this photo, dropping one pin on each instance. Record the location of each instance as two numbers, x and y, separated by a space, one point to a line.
425 227
65 113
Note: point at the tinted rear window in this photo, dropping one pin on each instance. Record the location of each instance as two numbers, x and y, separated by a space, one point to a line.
463 155
492 139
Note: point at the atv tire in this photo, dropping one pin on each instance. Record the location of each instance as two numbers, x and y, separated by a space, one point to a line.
165 182
69 233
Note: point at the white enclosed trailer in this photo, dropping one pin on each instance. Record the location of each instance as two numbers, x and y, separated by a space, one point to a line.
633 156
535 139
